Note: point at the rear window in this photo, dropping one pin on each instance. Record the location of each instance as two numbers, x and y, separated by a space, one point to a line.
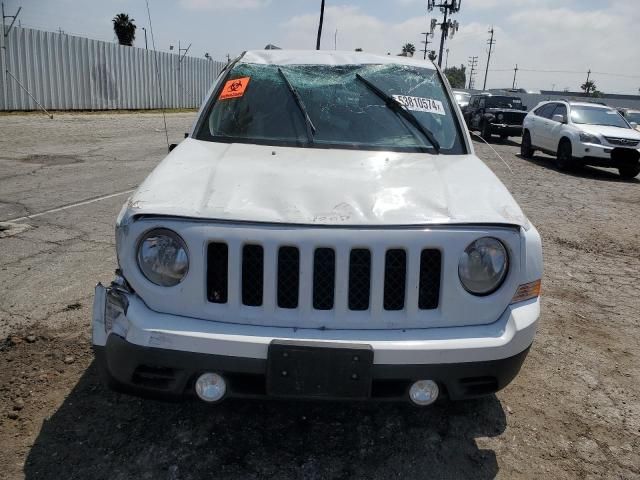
344 112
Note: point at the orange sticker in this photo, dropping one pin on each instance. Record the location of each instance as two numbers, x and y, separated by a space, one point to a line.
234 88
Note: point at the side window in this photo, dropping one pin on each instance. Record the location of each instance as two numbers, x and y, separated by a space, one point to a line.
561 109
474 102
482 102
546 111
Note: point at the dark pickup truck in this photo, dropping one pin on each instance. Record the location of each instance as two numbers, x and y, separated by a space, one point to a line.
495 114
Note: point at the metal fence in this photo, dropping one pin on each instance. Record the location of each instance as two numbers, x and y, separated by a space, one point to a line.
64 72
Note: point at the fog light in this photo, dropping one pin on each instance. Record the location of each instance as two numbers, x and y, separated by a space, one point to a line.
424 392
210 387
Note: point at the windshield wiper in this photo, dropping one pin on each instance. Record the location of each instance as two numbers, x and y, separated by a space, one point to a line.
311 129
398 108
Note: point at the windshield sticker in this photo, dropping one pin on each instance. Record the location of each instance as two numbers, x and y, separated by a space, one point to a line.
234 88
420 104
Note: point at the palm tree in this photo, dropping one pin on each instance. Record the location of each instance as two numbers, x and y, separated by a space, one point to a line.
408 49
588 87
125 29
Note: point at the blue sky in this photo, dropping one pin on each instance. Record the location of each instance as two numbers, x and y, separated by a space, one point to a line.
559 35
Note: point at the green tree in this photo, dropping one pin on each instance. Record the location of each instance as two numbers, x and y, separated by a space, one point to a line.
432 55
408 49
125 29
457 76
588 87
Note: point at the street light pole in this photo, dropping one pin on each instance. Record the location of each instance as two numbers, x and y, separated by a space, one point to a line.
145 38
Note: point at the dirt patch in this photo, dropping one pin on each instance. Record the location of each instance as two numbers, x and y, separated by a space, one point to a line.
52 160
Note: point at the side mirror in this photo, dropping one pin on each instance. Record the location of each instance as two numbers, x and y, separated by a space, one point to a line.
634 125
559 118
172 146
525 108
186 134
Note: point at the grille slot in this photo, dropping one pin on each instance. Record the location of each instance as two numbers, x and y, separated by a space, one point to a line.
395 279
288 277
324 278
217 272
359 279
252 275
429 287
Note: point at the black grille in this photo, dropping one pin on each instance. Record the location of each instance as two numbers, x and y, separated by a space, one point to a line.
217 272
324 278
395 279
429 288
288 277
626 142
359 279
252 275
513 118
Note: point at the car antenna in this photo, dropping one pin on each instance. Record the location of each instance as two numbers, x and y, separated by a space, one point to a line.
494 151
155 60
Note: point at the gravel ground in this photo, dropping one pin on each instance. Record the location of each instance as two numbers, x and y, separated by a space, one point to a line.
573 412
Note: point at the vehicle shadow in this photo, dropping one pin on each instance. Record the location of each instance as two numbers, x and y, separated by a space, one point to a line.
100 434
586 171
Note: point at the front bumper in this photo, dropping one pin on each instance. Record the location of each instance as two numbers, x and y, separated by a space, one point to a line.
506 129
143 352
603 155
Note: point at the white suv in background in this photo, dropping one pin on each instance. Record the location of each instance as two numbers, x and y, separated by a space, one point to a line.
580 133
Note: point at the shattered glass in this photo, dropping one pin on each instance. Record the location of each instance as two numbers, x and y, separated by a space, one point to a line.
345 112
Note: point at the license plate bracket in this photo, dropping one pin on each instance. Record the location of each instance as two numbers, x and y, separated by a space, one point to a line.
319 370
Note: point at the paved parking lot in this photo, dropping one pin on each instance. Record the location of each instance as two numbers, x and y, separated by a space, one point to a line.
572 413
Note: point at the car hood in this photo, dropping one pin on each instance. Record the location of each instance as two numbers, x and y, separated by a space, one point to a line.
510 110
609 131
315 186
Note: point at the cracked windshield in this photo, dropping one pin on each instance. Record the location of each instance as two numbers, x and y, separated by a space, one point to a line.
343 111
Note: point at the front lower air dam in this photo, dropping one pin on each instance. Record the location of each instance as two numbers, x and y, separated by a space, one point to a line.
211 387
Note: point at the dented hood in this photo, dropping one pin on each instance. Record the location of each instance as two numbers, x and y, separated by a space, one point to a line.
315 186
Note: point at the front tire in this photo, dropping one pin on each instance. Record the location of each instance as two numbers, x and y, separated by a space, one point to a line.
526 150
629 172
564 156
486 131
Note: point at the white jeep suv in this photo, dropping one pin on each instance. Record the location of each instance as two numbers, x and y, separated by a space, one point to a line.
580 133
326 231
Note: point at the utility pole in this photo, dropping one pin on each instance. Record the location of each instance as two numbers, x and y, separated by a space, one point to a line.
180 59
145 38
515 72
446 62
428 34
491 42
320 25
426 43
473 63
3 63
447 26
587 83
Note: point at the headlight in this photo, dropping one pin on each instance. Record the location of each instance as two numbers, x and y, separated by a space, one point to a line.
588 138
163 257
483 266
500 117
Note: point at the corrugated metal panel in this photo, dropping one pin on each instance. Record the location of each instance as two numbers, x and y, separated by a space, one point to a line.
64 72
